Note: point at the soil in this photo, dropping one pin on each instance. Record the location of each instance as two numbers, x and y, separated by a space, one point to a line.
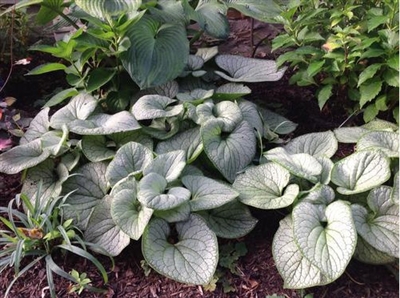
255 274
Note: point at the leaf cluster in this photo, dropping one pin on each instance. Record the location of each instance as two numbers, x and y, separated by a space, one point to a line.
348 49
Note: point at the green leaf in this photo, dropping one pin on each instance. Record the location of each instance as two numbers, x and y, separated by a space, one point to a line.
38 127
296 270
376 21
360 172
211 16
207 193
369 90
158 52
129 214
95 148
230 152
230 221
45 68
391 77
130 159
370 113
323 94
103 231
264 11
393 62
379 226
301 164
103 8
60 97
263 187
243 69
188 140
368 73
155 106
168 165
23 157
89 186
315 67
386 141
317 144
328 247
99 77
48 11
193 259
153 193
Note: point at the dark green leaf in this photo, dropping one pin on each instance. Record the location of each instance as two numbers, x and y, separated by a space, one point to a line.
99 77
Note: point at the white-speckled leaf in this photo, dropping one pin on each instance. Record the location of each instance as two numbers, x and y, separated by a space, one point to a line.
386 141
208 193
379 226
193 259
360 172
264 187
296 271
328 247
243 69
103 231
131 158
317 144
168 165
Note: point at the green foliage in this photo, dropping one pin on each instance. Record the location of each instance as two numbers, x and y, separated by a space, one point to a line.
349 49
36 235
340 208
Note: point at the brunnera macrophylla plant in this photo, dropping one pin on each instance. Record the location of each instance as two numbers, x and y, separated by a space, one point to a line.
348 49
160 171
340 208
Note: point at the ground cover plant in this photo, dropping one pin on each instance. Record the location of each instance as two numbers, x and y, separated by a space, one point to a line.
168 164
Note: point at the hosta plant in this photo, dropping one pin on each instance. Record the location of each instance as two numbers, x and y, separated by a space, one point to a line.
340 208
348 49
160 171
36 235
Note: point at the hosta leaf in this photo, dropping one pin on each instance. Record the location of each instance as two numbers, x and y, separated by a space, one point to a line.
188 140
193 259
301 164
103 231
317 144
104 8
230 221
168 165
329 247
361 171
264 11
23 157
296 271
155 106
243 69
90 186
211 16
49 12
207 193
230 152
95 148
379 228
263 187
158 52
153 193
49 176
38 127
276 122
179 213
366 253
386 141
131 158
128 214
231 91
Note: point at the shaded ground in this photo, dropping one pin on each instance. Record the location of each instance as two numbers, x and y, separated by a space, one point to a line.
256 274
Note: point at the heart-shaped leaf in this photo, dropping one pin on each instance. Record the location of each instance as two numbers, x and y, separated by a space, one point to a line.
211 16
158 52
38 127
207 193
380 226
131 158
129 215
230 152
227 112
155 106
263 187
103 231
326 237
243 69
193 259
153 193
360 172
95 148
252 115
168 165
296 270
232 220
386 141
179 213
316 144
